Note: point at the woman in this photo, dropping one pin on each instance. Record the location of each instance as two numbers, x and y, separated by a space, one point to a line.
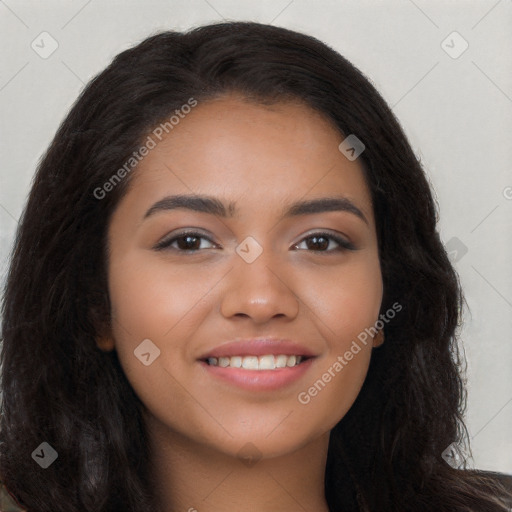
228 293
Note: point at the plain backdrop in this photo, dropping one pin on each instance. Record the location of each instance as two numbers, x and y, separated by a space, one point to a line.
443 66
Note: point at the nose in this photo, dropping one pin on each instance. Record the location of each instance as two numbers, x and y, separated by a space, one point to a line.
260 290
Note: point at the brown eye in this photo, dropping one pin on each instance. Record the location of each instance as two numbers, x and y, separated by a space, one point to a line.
320 242
184 242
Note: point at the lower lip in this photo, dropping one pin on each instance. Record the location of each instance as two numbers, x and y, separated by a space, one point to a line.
259 380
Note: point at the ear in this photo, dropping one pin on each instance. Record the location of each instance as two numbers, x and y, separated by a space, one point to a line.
101 322
105 343
103 336
378 340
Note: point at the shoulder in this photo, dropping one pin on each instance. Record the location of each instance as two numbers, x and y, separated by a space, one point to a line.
7 502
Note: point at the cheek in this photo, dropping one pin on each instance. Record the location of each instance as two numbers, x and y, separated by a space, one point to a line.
342 314
152 301
345 300
149 298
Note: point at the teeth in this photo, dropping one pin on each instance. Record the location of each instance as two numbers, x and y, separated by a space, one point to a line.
268 362
236 362
250 363
281 361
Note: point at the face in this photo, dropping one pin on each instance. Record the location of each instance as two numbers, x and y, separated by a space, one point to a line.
228 278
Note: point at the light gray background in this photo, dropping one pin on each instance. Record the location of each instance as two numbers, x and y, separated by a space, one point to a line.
457 113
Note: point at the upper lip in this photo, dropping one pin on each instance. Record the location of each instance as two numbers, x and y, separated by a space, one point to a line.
258 347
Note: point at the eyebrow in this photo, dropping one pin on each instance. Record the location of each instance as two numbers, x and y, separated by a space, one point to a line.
212 206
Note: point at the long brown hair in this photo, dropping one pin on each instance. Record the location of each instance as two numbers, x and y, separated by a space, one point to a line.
59 388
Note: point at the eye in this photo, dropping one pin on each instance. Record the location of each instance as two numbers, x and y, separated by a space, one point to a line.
189 241
320 242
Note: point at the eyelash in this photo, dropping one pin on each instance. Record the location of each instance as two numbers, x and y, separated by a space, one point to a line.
344 245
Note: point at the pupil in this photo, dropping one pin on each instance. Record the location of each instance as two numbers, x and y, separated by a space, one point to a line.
323 245
187 241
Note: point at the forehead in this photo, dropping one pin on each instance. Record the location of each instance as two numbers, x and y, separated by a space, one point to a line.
258 156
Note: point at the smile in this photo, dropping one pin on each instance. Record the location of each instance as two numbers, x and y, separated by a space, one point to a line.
266 362
257 373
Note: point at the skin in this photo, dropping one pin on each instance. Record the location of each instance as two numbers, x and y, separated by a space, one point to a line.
262 158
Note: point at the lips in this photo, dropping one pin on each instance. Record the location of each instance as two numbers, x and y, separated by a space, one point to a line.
262 364
258 347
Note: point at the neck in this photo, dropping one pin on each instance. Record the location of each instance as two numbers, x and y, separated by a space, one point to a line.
190 477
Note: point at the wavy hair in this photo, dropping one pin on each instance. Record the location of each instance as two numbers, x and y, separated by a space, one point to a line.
59 387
